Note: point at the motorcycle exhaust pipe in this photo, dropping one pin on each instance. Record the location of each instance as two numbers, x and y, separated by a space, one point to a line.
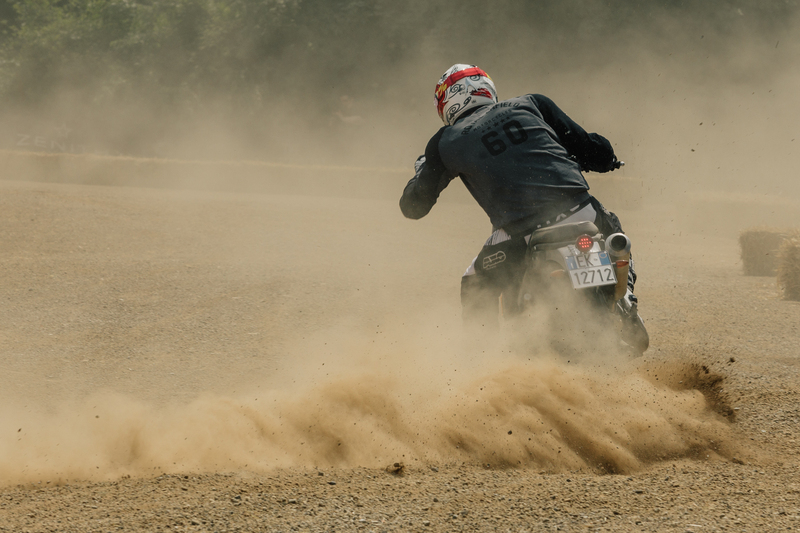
618 247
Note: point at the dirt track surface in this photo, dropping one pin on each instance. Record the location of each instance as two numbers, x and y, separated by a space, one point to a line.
121 307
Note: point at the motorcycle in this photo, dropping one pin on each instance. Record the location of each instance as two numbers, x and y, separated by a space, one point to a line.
576 262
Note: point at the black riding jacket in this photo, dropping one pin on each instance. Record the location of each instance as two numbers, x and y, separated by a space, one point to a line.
521 160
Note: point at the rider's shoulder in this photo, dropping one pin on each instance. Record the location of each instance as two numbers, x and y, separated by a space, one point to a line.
433 144
541 100
439 133
525 100
538 98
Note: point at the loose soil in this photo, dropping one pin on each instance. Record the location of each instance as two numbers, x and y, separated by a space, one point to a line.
195 361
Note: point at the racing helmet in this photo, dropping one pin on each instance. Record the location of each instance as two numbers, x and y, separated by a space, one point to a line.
462 87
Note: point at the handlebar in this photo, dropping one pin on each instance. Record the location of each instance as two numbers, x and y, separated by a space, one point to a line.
616 164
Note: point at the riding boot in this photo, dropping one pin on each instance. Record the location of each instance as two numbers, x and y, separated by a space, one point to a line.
634 333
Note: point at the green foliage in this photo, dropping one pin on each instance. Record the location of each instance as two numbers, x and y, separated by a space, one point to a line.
102 45
185 50
186 56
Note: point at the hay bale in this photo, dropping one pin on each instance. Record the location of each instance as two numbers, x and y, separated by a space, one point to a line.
760 250
789 267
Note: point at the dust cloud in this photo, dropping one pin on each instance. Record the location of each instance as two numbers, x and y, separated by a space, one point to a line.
416 395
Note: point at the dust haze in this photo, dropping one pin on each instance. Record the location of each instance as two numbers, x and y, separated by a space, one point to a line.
249 324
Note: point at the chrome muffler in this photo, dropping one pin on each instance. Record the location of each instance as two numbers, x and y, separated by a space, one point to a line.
618 246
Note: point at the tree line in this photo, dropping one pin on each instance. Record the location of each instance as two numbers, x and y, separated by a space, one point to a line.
187 56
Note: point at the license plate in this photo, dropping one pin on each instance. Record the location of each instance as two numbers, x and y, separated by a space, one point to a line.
591 270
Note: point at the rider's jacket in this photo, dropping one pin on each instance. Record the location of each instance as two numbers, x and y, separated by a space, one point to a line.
520 158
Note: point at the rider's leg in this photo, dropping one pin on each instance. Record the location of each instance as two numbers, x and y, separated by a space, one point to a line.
480 300
496 270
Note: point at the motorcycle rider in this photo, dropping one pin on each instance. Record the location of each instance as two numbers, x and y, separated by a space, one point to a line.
521 159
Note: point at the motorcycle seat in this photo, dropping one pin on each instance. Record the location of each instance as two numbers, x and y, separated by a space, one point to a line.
563 233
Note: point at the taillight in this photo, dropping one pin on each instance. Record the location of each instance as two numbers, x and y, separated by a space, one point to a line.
584 243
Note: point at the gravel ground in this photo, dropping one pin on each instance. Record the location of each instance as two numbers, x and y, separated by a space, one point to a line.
165 296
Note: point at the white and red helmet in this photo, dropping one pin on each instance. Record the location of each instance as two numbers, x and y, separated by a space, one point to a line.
463 87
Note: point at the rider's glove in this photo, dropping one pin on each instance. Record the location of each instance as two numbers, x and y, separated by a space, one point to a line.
612 165
600 157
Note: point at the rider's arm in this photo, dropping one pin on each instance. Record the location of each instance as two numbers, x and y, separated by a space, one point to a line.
592 151
423 190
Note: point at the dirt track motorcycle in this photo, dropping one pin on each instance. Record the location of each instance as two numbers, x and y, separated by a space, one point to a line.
575 262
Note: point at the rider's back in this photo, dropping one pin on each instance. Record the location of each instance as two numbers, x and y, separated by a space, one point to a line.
511 161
